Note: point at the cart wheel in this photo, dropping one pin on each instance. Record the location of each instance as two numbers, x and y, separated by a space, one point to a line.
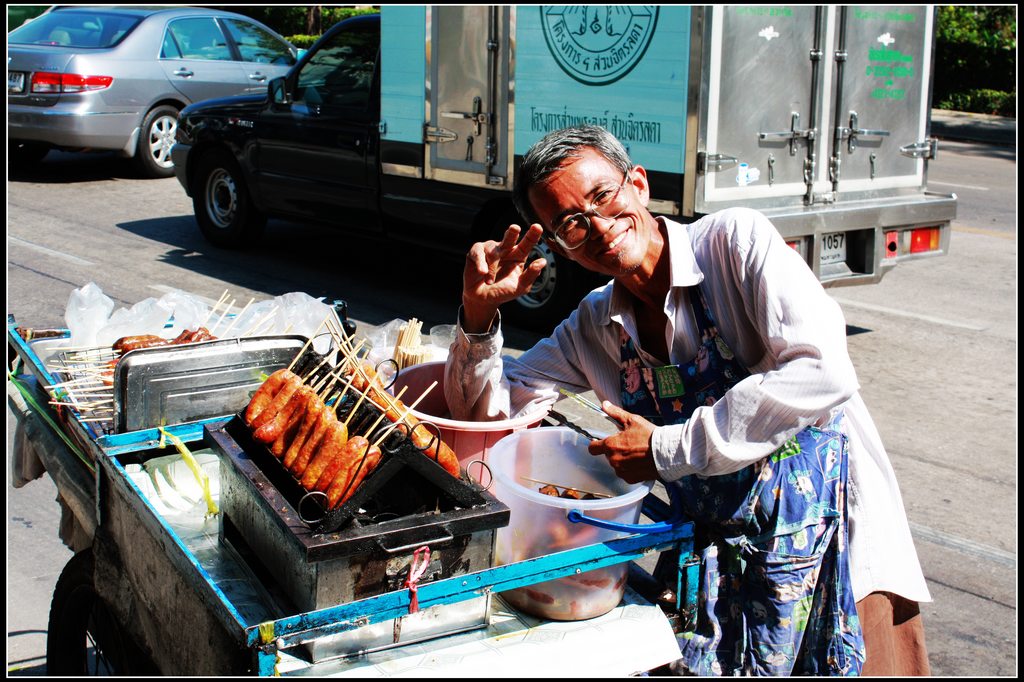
83 637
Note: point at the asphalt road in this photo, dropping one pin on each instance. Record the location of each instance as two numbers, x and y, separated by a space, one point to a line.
934 344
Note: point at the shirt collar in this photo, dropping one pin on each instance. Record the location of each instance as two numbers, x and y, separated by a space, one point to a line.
683 268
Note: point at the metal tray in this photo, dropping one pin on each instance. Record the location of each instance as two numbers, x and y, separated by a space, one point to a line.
178 384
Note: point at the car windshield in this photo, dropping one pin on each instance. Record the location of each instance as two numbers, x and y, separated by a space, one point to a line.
75 29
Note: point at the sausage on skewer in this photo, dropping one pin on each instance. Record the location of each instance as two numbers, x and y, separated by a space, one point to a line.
289 386
309 421
364 467
341 459
264 394
301 403
271 430
325 442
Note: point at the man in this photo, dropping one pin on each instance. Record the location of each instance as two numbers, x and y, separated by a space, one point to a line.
746 407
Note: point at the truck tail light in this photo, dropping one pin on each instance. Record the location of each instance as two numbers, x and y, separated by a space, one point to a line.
924 239
892 244
46 82
797 245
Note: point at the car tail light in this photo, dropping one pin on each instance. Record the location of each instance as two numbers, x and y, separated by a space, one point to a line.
44 82
924 239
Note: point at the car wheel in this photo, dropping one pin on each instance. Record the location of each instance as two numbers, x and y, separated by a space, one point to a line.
153 153
83 637
223 207
553 296
26 154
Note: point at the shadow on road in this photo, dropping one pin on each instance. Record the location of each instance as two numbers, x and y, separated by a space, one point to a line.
379 281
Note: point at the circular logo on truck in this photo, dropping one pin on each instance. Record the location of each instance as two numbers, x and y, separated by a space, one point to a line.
598 44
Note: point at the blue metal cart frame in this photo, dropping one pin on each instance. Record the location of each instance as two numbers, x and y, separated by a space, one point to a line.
126 558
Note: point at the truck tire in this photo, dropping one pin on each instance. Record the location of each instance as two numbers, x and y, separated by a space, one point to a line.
153 150
220 198
83 637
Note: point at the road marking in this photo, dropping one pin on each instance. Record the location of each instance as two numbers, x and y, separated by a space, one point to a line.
50 252
957 184
904 313
937 537
990 233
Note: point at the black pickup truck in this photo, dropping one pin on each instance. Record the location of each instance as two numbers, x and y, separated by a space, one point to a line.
311 150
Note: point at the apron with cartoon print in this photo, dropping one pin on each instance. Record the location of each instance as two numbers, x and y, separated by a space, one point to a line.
775 593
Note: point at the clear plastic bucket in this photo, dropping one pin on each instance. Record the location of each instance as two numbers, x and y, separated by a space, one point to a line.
522 463
469 441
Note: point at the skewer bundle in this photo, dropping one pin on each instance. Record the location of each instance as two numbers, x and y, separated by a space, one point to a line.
409 348
296 417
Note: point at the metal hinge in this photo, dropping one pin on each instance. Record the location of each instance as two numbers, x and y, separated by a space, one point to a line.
714 162
793 134
438 134
921 150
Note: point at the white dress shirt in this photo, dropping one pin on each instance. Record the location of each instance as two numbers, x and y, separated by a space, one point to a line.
775 316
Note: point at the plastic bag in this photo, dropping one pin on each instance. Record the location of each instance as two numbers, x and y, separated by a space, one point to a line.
145 317
88 310
305 314
188 312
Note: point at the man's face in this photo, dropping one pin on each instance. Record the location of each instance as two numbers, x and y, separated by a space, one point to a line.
616 246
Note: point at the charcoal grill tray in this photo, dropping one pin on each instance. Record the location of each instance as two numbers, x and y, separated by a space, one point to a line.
468 508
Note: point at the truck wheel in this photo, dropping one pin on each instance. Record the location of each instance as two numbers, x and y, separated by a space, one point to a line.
223 208
153 152
553 296
83 637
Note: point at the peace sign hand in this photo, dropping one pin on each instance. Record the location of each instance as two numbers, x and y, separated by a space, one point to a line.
496 273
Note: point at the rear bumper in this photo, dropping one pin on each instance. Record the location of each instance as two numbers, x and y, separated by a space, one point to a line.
869 223
74 130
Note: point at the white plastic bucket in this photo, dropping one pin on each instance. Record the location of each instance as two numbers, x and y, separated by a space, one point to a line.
522 463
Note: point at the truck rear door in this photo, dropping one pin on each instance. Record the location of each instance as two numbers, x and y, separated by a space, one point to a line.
468 125
818 116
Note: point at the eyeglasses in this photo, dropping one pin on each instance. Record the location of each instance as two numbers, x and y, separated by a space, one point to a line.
609 204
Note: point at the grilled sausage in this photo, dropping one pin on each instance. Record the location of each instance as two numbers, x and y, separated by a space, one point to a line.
322 446
264 394
272 429
280 399
307 400
129 343
310 418
341 458
366 464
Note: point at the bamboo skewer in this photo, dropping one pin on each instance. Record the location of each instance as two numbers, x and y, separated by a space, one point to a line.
308 343
408 410
223 297
231 326
381 418
223 315
565 487
258 325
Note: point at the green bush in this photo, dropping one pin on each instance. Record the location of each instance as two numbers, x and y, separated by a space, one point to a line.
302 40
291 20
976 59
981 102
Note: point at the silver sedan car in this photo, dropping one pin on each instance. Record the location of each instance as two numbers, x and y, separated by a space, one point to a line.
114 78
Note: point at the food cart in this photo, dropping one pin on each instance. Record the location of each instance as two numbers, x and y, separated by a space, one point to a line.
242 583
